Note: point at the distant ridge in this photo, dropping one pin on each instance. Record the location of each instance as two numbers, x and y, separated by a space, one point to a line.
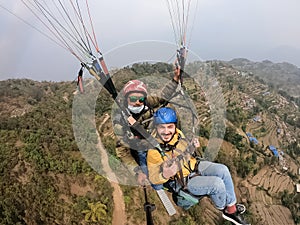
282 76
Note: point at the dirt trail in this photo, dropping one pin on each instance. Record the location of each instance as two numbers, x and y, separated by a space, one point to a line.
119 215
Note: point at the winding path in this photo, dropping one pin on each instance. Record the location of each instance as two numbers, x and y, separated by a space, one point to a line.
119 215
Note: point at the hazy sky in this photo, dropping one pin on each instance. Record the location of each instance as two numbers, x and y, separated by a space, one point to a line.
223 29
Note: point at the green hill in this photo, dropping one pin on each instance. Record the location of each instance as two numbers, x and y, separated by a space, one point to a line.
45 178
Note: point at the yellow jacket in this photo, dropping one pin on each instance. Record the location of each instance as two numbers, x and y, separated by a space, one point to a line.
155 159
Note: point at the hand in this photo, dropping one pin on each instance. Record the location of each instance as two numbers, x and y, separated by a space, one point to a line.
142 178
196 142
169 170
176 73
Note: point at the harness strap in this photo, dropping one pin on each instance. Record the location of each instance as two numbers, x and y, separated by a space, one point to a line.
180 178
193 173
196 170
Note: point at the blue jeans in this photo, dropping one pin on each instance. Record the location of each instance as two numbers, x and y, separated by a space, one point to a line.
142 155
215 181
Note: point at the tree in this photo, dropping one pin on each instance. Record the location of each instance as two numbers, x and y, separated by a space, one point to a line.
244 126
232 137
245 166
95 213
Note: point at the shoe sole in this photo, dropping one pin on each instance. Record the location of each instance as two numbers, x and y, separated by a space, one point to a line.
239 207
232 220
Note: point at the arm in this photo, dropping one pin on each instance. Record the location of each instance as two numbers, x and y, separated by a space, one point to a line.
124 142
167 92
159 170
170 88
154 162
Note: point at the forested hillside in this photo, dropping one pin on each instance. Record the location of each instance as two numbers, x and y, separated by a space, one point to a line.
46 180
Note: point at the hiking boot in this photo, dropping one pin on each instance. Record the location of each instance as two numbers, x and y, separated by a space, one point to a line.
240 208
235 218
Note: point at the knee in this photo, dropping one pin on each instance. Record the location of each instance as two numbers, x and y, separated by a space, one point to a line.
223 169
218 184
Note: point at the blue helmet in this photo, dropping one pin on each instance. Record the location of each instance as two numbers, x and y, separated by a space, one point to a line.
165 115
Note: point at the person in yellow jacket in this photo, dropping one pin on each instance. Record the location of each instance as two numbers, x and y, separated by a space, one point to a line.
175 167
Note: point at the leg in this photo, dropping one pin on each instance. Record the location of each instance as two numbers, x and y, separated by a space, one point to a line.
221 171
142 161
209 185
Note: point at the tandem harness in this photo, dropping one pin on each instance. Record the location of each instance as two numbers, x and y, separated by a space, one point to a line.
178 186
182 196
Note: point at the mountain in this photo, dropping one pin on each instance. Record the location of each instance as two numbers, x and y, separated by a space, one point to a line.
53 173
281 76
284 53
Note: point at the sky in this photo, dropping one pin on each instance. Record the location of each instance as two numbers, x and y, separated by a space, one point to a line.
137 30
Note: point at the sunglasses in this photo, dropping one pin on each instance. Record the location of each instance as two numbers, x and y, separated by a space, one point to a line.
135 98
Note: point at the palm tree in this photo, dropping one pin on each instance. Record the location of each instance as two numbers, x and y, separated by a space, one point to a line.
95 213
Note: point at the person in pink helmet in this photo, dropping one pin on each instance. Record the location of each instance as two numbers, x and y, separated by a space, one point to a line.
131 146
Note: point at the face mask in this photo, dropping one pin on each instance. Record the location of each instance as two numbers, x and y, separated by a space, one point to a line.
136 109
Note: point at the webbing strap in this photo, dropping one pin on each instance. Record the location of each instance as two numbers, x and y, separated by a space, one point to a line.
180 178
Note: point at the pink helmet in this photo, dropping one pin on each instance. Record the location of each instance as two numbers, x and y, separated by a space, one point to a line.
135 86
